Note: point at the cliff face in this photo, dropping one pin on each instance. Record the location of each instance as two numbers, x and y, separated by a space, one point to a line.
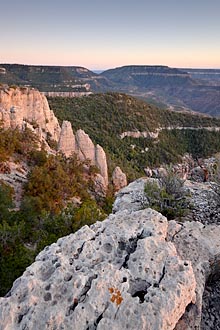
21 107
108 275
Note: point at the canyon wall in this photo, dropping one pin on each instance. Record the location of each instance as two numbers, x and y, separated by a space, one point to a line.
27 107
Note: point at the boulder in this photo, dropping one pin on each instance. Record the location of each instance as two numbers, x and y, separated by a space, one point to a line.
118 274
197 174
134 270
132 197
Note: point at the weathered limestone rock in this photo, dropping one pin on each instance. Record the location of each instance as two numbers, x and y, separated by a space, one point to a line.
131 197
201 246
19 105
204 201
101 163
66 142
193 241
132 271
117 274
119 179
99 186
85 147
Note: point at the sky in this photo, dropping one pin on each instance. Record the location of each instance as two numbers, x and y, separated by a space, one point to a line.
101 34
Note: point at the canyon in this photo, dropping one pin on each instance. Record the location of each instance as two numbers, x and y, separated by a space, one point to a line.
179 89
27 107
107 275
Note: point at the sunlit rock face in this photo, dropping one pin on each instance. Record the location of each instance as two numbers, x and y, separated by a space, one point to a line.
67 142
20 105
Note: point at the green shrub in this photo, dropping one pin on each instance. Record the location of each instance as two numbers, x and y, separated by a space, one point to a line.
167 196
6 193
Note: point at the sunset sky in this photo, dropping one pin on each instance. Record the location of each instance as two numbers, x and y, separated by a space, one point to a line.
100 34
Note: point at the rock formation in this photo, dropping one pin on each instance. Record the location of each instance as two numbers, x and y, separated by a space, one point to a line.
134 270
101 162
28 107
104 277
204 201
119 179
20 105
66 142
82 145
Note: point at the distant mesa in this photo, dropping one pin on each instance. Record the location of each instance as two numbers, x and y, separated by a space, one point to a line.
175 89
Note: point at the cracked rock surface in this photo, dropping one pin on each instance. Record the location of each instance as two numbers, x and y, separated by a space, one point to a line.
210 310
118 274
132 271
201 245
205 202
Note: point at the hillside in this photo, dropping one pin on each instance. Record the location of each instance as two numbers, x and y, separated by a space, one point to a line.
143 76
210 76
175 88
51 181
136 134
51 78
42 197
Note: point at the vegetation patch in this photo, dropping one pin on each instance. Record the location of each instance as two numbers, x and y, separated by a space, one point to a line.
106 116
167 195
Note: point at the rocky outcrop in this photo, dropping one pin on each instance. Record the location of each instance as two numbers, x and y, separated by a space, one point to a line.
154 135
201 246
66 142
119 179
101 162
69 94
132 197
14 174
204 201
134 270
104 277
26 105
82 145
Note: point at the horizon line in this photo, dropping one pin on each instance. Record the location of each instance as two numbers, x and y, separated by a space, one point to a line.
113 67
